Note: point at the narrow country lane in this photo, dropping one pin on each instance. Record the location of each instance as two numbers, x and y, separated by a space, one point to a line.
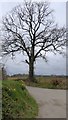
52 103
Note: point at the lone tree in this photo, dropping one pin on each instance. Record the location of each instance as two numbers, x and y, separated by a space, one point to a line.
30 29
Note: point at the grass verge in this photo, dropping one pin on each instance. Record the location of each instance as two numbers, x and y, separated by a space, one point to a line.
16 101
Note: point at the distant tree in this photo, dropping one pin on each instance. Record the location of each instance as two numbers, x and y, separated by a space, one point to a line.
30 29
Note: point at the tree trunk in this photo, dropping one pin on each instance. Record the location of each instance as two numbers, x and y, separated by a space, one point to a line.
31 65
31 71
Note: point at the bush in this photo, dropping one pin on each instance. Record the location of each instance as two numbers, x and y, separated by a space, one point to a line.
56 82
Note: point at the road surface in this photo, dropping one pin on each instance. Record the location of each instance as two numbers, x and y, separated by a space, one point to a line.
52 103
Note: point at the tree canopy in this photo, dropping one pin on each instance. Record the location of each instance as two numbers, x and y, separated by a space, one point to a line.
30 29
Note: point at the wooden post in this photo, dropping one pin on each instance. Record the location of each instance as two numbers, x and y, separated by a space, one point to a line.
0 73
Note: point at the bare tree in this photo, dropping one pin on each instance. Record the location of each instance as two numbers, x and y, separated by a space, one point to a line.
30 29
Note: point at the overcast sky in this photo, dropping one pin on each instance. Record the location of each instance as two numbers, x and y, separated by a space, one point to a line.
56 64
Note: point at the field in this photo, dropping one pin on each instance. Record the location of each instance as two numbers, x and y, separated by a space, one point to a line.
16 101
51 82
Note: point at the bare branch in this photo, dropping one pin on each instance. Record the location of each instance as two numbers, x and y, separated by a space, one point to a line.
30 28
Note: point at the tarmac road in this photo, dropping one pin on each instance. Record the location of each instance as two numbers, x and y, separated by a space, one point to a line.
52 103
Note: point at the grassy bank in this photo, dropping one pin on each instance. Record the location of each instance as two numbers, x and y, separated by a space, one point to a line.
17 103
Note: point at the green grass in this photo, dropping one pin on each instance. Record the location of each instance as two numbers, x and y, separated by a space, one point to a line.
17 102
0 84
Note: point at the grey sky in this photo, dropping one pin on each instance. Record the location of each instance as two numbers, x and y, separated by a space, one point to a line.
56 63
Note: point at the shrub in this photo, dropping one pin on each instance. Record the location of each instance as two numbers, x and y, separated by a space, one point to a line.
56 82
